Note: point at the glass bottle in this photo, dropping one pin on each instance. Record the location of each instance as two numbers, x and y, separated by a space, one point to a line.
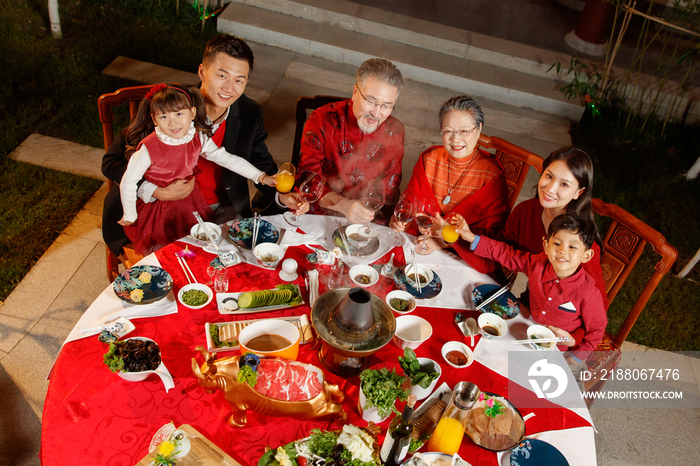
449 432
398 437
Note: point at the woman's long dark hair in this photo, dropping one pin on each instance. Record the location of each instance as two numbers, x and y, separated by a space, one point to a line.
172 98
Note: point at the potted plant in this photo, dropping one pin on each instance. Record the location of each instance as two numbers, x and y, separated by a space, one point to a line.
379 390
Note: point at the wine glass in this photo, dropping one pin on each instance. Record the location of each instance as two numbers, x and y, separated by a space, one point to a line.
373 198
285 177
310 190
404 212
424 222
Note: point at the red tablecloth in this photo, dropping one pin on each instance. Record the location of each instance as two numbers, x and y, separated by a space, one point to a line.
93 417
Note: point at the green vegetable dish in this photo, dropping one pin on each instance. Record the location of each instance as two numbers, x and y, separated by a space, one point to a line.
287 295
422 376
382 387
400 305
194 297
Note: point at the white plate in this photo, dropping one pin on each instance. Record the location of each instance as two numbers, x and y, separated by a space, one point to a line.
220 297
302 322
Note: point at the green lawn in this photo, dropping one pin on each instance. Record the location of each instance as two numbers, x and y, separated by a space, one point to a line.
51 87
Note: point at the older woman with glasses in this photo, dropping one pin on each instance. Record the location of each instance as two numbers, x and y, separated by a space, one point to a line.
459 177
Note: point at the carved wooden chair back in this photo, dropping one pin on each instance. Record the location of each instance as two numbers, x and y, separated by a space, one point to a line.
106 104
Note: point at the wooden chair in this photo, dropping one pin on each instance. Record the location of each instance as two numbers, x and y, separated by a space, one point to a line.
516 162
623 244
305 106
106 104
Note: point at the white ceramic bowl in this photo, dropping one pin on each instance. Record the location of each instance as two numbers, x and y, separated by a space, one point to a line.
423 393
366 270
195 286
457 346
360 235
423 270
411 331
142 375
368 414
542 332
493 321
400 294
200 237
265 251
282 328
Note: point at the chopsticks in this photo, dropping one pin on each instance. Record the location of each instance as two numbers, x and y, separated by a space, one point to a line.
493 297
416 276
255 229
186 268
206 230
542 340
342 235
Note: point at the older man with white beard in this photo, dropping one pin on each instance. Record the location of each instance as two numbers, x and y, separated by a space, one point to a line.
356 141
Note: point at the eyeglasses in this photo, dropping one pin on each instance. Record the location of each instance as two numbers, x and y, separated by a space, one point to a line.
462 133
374 103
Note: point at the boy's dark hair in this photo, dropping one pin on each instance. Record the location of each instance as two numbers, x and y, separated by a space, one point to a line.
576 224
232 46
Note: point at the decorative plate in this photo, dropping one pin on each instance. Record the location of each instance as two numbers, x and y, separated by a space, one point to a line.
241 233
534 451
367 250
143 284
505 306
428 291
508 405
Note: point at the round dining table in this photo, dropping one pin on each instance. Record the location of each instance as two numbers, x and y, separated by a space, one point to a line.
93 417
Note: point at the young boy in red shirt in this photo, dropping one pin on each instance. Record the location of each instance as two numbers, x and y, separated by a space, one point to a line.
563 296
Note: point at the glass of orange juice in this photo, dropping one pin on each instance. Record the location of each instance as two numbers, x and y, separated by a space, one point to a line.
448 434
449 233
285 177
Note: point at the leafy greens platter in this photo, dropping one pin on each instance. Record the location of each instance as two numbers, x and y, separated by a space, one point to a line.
353 446
214 345
249 302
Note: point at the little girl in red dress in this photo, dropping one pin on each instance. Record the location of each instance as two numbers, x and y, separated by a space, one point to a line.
167 154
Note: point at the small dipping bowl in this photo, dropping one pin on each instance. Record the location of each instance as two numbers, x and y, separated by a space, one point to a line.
420 392
200 237
271 251
359 235
195 286
490 323
405 295
411 332
358 271
423 271
540 331
460 347
263 328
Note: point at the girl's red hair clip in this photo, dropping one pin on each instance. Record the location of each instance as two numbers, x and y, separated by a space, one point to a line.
155 89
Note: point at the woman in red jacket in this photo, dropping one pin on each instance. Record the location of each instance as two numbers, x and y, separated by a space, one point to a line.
459 177
566 185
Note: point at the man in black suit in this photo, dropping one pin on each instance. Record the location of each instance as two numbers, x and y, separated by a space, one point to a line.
237 125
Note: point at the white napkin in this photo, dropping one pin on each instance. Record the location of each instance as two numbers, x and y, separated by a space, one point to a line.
108 306
294 238
313 287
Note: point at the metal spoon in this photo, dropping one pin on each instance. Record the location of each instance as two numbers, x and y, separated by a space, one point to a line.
471 325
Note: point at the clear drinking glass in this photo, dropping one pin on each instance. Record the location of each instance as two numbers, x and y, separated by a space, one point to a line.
335 276
310 191
221 280
404 212
424 221
211 272
373 197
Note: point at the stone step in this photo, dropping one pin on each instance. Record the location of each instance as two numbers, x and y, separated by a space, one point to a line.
342 37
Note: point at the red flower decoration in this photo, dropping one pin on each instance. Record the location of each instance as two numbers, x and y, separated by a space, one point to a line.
155 89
